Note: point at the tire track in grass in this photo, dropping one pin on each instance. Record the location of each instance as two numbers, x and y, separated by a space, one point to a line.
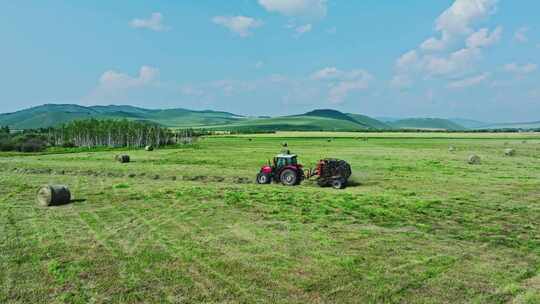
153 225
20 252
156 223
167 243
106 237
168 209
13 248
91 221
65 229
7 275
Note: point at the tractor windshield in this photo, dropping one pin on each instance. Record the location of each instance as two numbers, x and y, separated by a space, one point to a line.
285 161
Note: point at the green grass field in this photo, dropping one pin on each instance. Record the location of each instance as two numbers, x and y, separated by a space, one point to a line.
188 225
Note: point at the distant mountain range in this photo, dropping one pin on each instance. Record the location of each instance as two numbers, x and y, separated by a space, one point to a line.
318 120
54 114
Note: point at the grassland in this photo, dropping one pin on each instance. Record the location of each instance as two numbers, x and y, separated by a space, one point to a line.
418 225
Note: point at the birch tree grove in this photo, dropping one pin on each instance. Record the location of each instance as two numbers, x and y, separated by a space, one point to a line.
116 133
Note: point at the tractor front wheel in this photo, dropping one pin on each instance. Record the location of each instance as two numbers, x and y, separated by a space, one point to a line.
263 179
289 177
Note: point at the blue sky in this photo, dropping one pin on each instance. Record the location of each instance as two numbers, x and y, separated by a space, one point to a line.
446 58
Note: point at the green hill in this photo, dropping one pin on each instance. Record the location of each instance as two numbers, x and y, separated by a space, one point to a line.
333 114
292 123
426 124
317 120
54 114
523 125
469 123
373 123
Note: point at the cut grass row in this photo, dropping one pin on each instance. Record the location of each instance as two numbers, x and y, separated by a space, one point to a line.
422 226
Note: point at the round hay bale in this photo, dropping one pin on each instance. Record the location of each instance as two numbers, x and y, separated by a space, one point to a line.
474 160
123 158
53 195
509 152
149 148
452 149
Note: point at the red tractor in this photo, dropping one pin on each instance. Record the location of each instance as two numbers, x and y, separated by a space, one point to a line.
285 169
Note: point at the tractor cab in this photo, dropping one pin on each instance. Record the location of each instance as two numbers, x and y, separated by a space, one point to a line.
283 160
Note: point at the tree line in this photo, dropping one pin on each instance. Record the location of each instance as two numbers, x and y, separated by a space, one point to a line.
116 133
95 133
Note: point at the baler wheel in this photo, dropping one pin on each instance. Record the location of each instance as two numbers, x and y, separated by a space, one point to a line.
339 183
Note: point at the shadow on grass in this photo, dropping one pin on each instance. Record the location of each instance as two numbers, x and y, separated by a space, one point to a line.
71 202
354 184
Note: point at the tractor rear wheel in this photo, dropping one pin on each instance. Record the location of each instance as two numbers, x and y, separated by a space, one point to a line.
338 183
289 177
263 179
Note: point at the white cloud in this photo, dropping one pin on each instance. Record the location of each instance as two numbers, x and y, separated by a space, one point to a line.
342 83
457 21
220 88
434 44
313 8
114 86
232 87
340 91
332 73
483 38
303 29
521 35
521 69
241 25
326 73
154 23
407 59
113 80
457 62
401 81
459 17
331 31
468 82
433 65
440 56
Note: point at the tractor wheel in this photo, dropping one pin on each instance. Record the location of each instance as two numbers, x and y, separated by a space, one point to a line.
263 179
338 183
289 177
